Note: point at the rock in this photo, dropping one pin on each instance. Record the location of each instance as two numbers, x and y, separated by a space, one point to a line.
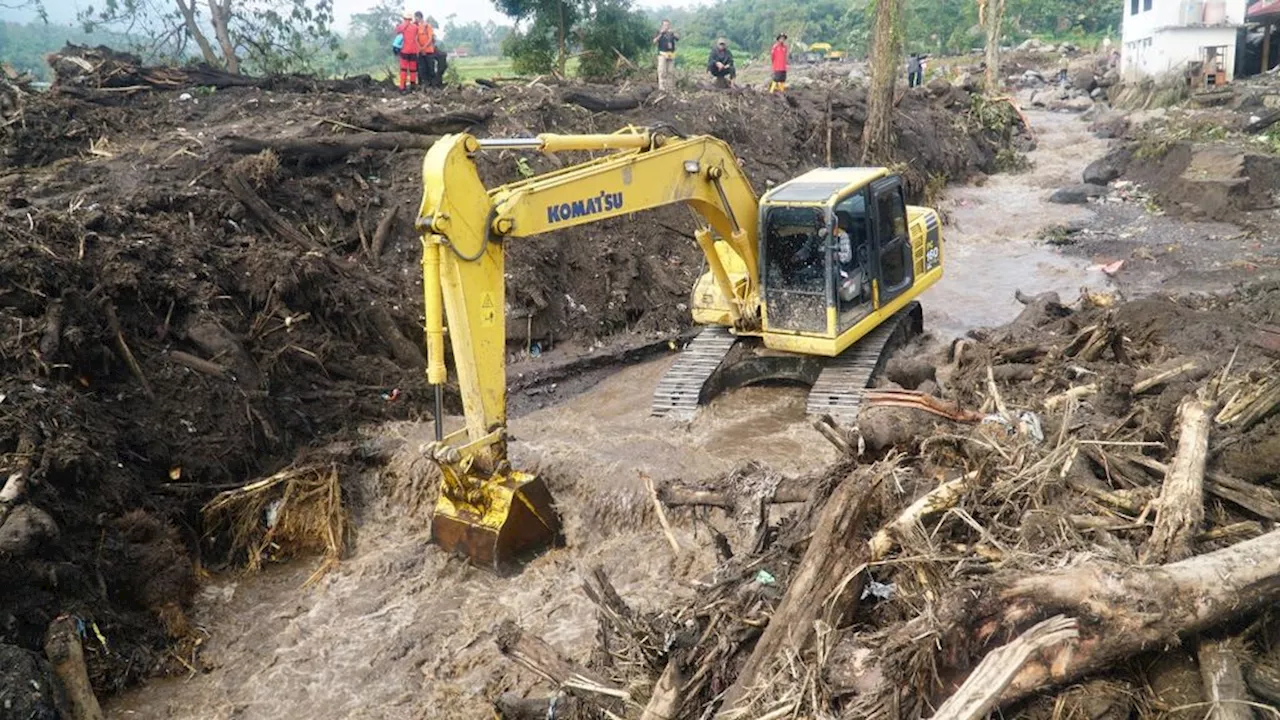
1046 49
1104 170
26 685
1084 80
26 527
1109 78
802 82
1077 103
1097 93
1110 125
1076 194
938 87
969 82
1030 44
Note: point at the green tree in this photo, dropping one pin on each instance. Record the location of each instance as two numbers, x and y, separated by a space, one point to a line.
613 29
256 35
544 42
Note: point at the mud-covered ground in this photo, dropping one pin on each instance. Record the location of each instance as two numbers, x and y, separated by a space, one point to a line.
167 336
401 631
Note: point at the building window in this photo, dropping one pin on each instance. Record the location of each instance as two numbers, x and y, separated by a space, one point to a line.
1146 5
1133 7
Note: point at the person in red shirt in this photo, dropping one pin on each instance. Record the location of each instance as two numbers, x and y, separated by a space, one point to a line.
408 30
778 56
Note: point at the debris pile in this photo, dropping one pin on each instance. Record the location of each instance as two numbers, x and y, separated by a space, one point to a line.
1108 496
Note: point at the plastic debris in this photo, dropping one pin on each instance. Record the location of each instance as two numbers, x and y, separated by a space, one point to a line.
879 590
764 577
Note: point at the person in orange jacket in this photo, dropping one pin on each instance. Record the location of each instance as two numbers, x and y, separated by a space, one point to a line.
407 30
427 74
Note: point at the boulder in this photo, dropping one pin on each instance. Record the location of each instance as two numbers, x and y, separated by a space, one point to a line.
1110 125
1084 80
1097 93
25 529
1101 172
1030 44
1109 78
938 87
1076 194
1078 103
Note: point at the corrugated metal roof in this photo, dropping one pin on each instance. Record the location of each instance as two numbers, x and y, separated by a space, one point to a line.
1263 10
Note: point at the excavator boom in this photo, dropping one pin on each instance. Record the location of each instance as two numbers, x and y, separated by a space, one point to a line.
486 510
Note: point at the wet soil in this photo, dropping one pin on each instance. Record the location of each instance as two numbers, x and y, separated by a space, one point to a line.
401 631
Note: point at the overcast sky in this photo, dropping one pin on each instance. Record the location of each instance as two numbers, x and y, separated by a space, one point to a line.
64 11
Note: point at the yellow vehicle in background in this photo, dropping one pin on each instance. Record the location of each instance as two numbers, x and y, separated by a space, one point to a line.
823 52
809 283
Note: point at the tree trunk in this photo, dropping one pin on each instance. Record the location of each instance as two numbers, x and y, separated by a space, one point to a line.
220 16
826 585
188 10
886 47
992 12
1180 508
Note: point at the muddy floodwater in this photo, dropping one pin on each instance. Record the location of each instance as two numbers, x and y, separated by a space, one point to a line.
400 631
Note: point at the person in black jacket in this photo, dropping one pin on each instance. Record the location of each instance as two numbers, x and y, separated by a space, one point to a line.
720 64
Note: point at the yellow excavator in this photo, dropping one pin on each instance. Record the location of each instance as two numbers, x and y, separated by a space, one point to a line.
809 283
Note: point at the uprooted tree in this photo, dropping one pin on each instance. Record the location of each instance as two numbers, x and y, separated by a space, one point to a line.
266 36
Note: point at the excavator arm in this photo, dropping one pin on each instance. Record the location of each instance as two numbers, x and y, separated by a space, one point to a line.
485 509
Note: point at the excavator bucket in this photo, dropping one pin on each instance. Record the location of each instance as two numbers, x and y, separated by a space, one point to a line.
505 518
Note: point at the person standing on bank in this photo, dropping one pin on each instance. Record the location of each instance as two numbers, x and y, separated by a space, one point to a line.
778 58
427 74
915 71
407 37
666 42
720 64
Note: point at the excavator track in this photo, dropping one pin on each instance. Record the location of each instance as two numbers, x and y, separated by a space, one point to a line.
841 388
680 390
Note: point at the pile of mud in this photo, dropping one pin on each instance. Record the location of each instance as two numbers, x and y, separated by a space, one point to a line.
1088 489
186 312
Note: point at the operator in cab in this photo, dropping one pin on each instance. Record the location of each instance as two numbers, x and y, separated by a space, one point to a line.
720 64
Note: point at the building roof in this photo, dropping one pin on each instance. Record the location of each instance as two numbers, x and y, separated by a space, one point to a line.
1263 10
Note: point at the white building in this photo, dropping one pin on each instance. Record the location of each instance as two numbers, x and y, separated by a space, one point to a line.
1162 38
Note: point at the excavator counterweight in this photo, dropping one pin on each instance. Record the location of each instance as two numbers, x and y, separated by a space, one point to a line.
810 283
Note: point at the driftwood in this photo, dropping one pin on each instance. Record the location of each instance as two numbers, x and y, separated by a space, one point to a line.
536 655
406 353
125 353
1223 678
380 234
1180 508
826 585
449 122
245 193
52 336
1195 594
945 496
788 491
664 702
510 706
595 103
198 364
62 647
980 693
329 149
1194 369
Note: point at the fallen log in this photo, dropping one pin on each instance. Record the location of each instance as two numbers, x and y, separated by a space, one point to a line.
1180 507
1194 595
536 655
826 585
945 496
600 104
441 124
328 150
62 647
1151 379
510 706
787 491
980 693
664 702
